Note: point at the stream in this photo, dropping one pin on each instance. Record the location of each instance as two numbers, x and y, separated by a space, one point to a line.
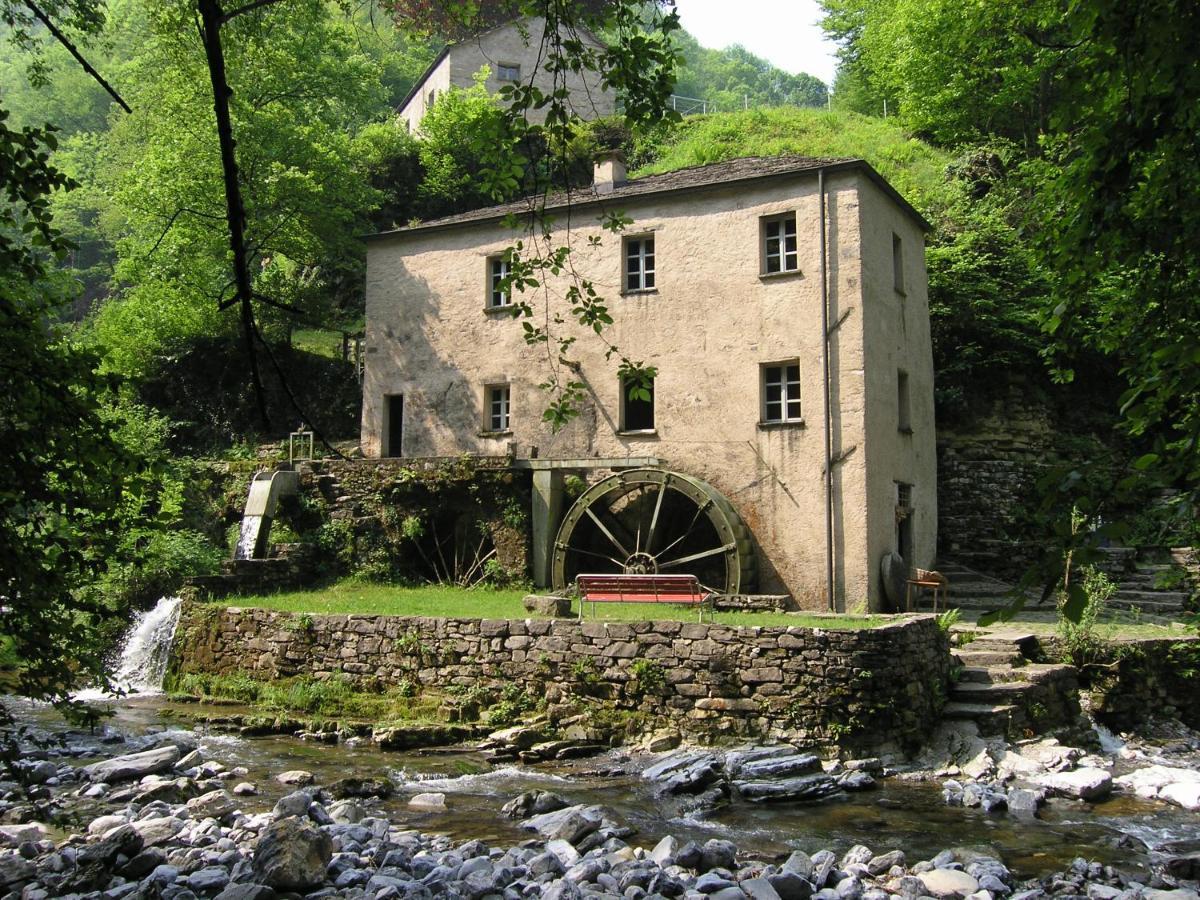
1123 830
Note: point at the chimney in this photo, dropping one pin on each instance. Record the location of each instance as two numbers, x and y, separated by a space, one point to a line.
609 171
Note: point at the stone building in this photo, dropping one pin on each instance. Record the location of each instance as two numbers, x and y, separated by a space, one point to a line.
725 281
511 53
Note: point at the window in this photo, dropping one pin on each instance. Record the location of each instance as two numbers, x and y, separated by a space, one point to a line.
637 412
432 97
781 392
508 72
496 418
497 271
898 263
904 523
903 420
639 264
779 245
393 425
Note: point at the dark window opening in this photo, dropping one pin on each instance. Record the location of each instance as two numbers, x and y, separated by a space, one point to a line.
637 411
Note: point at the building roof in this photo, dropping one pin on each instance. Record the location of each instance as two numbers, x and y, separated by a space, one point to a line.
714 175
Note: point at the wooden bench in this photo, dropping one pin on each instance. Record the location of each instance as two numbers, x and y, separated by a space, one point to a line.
681 590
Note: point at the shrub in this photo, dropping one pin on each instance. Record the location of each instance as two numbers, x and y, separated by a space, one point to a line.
1081 644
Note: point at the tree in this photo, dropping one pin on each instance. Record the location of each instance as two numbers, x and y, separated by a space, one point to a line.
64 474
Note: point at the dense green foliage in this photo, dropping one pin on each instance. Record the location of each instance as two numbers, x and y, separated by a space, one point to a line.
1099 98
734 78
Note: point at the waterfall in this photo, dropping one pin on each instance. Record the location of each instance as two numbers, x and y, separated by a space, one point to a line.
146 648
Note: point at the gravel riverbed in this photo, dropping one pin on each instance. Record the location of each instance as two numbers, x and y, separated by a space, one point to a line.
163 821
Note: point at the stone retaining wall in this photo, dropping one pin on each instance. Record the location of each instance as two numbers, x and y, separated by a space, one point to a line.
1144 679
868 690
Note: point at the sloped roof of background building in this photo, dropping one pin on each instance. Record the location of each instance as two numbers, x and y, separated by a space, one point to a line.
713 175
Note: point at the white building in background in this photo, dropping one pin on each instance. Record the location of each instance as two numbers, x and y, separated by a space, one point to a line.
511 53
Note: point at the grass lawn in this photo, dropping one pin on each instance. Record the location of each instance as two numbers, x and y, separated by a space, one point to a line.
348 597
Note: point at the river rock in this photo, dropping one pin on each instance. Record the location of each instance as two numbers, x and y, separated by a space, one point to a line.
790 886
246 892
662 740
133 765
244 789
1079 784
856 781
806 787
779 767
13 835
208 880
345 788
292 855
735 759
295 778
293 804
533 803
103 824
518 737
718 854
571 824
948 883
436 801
158 830
214 804
1024 802
1182 793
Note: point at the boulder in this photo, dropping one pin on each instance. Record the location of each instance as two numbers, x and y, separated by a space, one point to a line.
214 805
345 788
436 801
533 803
32 831
292 855
295 778
158 830
948 883
547 605
133 765
571 824
806 787
779 767
1079 784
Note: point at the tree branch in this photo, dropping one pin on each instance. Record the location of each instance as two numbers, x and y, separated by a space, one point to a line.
66 42
249 7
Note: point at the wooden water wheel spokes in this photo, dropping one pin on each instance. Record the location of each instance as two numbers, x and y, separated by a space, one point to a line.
646 521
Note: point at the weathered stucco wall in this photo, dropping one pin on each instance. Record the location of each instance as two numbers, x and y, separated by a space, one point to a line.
711 323
506 45
900 447
870 689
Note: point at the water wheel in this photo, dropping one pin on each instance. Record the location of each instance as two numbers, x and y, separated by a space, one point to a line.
652 521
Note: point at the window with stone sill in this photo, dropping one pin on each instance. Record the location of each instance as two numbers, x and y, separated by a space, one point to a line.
639 264
497 404
498 270
779 250
781 393
637 412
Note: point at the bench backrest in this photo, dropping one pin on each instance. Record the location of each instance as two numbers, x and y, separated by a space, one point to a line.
670 588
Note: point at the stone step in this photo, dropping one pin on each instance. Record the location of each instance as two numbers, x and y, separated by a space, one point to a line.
994 674
1160 597
987 658
992 718
992 693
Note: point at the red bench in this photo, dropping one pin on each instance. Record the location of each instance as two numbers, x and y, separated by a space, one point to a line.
682 590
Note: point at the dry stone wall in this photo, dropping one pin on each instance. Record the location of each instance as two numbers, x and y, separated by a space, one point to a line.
872 689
